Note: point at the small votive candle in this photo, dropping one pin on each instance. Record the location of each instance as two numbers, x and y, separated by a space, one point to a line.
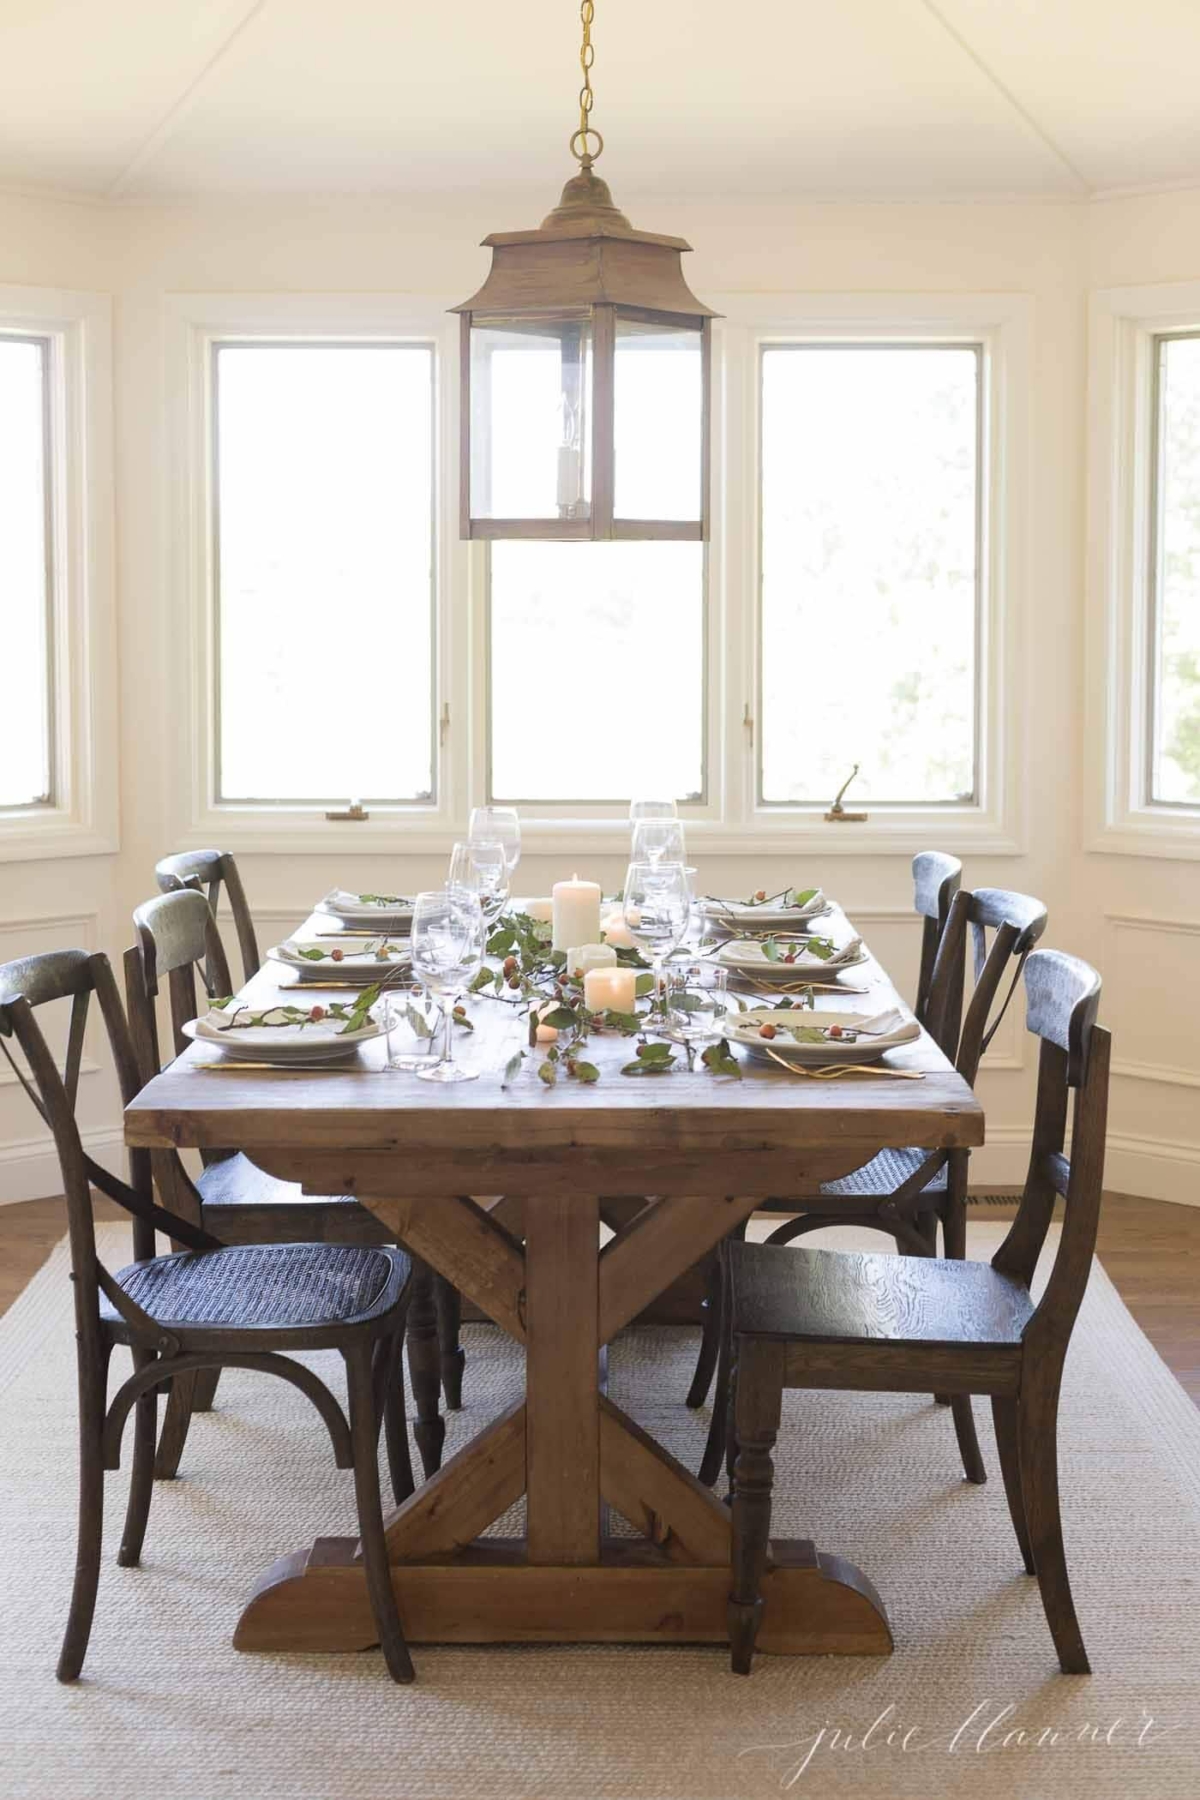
546 1034
610 990
614 930
541 910
590 956
576 913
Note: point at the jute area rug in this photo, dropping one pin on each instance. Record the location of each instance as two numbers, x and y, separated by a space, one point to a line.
971 1703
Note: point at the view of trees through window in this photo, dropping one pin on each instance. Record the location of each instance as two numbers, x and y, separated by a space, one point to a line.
26 762
870 508
1175 665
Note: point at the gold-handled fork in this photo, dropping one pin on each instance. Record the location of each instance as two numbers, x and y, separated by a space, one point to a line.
830 1071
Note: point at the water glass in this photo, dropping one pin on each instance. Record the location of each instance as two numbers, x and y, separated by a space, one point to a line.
657 909
447 953
480 866
411 1021
651 809
697 1002
658 841
498 825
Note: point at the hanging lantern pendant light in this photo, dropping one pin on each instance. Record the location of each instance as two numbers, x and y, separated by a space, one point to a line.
585 372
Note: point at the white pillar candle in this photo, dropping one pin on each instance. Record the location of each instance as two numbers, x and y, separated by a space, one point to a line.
541 910
614 930
590 956
610 990
576 913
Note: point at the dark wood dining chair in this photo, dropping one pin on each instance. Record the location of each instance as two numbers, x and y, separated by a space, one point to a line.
207 1306
209 871
890 1324
938 1007
239 1203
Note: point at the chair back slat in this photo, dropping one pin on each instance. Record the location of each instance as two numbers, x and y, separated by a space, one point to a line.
75 1037
1016 921
208 871
941 1014
936 879
1063 997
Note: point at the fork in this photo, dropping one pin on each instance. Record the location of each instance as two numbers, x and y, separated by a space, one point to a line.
830 1071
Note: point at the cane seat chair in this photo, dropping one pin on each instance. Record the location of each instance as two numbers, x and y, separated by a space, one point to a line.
823 1319
231 1198
206 1306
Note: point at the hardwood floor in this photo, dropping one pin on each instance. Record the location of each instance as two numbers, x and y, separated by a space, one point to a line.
1151 1250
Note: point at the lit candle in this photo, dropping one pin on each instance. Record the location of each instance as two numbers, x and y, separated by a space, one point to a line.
576 913
614 930
541 910
590 956
568 475
546 1034
610 990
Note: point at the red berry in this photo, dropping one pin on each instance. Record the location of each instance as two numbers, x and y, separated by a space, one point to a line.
316 1013
835 1031
510 963
513 982
337 955
767 1031
761 894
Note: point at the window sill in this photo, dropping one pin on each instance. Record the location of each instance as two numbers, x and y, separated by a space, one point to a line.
1150 831
45 836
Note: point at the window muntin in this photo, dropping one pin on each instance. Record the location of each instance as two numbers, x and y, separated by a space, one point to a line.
324 565
871 532
1173 665
26 718
597 671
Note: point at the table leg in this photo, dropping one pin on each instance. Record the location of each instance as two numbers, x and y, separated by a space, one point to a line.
562 1248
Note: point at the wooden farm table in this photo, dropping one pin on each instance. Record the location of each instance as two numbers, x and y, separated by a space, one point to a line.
708 1148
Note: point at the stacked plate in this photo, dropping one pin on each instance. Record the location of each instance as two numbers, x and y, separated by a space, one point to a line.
358 960
387 912
810 1039
285 1041
750 915
793 963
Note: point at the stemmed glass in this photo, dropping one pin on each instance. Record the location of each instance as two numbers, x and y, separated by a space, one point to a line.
657 906
481 867
651 809
447 953
658 841
498 825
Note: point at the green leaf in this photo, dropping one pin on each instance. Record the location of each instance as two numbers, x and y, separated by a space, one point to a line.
502 941
547 1072
561 1017
485 978
512 1067
802 896
630 957
821 948
417 1021
558 958
720 1060
628 1024
656 1053
586 1072
771 950
646 1068
643 985
313 955
688 1003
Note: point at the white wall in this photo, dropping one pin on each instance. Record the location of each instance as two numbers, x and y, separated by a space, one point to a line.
1051 252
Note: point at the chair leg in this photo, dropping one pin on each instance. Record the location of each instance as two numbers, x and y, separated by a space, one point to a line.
424 1364
176 1419
710 1333
141 1477
1037 1441
974 1467
92 1384
395 1424
1004 1417
757 1404
718 1430
364 1437
205 1390
448 1302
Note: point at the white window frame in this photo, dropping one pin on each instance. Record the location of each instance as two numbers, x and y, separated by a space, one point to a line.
194 324
81 818
728 820
1124 323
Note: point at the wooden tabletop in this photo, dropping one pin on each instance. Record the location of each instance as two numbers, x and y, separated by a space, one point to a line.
369 1108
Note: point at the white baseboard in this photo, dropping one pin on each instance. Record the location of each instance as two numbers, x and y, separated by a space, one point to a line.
29 1166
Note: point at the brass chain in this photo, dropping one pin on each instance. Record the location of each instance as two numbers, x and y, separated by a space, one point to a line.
587 56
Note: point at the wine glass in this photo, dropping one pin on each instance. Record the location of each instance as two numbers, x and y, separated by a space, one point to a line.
658 841
481 867
447 952
498 825
657 906
651 809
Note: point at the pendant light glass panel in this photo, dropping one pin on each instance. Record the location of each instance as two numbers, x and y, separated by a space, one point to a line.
658 420
531 418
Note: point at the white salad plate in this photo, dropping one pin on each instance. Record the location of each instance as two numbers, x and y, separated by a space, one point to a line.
801 1036
321 1042
748 957
740 915
388 911
359 960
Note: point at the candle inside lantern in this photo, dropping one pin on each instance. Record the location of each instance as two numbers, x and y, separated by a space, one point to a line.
576 913
614 930
610 990
590 956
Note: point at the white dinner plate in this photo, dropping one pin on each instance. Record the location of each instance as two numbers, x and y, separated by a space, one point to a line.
746 956
795 1027
323 1041
388 911
742 916
358 959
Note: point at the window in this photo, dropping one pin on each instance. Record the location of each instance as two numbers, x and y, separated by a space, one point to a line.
27 776
1173 666
324 553
871 525
597 671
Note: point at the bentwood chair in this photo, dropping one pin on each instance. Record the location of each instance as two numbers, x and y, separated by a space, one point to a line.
208 1306
209 871
882 1324
231 1198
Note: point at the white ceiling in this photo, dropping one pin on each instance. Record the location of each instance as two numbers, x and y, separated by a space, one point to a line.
841 98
